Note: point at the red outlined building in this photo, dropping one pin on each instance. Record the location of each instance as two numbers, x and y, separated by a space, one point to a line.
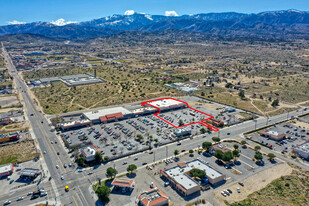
161 104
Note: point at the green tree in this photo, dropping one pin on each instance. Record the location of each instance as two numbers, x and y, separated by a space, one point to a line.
131 168
98 157
203 94
258 157
197 173
106 158
81 161
257 148
228 156
203 130
219 154
216 139
242 94
206 146
111 172
275 103
235 146
180 122
103 192
235 153
176 152
271 156
243 142
191 151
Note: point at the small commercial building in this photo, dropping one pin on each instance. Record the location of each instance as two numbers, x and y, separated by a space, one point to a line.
302 150
29 173
6 170
153 197
89 152
182 131
127 184
272 134
144 111
214 148
216 122
179 178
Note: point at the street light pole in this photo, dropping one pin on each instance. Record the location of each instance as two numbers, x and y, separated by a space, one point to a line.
166 152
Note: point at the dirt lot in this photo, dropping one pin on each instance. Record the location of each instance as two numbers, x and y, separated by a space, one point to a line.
255 182
17 152
291 190
301 124
14 127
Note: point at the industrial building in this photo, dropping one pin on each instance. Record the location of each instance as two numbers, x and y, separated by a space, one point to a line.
167 104
89 152
272 134
302 150
29 173
6 170
108 115
182 131
74 124
127 184
9 137
179 178
153 197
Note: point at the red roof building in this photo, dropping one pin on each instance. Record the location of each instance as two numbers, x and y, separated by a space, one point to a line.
123 183
153 197
6 170
111 117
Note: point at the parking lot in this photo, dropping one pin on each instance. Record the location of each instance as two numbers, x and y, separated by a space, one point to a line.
294 136
134 134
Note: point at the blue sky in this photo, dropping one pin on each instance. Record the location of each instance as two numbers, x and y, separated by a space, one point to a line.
82 10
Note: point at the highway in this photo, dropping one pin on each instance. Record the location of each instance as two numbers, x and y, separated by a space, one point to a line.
79 182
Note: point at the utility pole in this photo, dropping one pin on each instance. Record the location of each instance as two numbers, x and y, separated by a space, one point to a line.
154 156
166 152
255 123
288 115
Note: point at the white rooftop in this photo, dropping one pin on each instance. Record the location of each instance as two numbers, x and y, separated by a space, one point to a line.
178 173
166 103
97 114
5 168
304 147
273 132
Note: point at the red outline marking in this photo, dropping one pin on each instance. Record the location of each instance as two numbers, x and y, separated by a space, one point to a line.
202 122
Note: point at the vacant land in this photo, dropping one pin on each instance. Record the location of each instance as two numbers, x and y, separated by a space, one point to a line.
255 183
14 127
122 87
18 152
290 190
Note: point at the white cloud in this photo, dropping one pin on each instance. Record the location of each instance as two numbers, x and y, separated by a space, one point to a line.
129 12
171 13
15 22
62 22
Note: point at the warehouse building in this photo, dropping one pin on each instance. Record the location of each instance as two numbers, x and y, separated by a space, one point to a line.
108 115
302 150
9 137
6 170
153 197
179 178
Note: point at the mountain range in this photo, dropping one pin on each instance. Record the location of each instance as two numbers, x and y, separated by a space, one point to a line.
288 24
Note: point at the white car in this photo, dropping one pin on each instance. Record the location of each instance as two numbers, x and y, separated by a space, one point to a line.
62 178
57 166
20 198
238 190
223 193
44 152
